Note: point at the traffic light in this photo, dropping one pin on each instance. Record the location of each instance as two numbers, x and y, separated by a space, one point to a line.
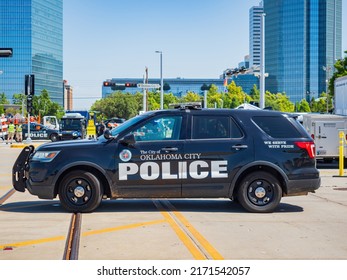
109 84
29 85
29 103
130 84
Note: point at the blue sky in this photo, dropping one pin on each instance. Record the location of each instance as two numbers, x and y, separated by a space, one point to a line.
118 38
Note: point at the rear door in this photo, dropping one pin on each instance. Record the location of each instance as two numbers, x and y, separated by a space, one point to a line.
217 148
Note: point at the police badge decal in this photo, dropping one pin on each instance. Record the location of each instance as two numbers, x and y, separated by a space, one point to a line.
125 155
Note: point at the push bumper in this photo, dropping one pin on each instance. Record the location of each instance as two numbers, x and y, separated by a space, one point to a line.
20 167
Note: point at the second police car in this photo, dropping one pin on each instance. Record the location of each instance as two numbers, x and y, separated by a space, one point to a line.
40 132
253 157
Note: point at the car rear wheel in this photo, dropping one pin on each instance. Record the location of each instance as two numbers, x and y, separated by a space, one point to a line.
259 192
80 191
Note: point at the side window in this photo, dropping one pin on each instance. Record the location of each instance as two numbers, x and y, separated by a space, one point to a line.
207 127
212 127
277 127
159 129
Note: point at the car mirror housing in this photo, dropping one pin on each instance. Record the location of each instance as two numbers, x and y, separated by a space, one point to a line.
128 140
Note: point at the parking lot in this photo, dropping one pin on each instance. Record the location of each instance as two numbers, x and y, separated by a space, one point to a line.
309 227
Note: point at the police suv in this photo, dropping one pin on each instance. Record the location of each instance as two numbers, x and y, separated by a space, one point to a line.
252 156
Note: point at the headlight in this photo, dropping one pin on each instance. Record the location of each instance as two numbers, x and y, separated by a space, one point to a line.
45 156
74 134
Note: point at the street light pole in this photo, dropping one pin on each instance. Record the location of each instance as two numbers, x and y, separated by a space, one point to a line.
262 64
327 71
161 81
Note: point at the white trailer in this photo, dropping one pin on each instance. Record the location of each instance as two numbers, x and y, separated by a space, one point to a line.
324 129
340 86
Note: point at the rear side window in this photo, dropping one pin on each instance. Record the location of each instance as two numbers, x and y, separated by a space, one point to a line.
277 127
212 127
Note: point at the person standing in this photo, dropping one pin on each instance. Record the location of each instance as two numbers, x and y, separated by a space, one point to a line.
11 131
19 130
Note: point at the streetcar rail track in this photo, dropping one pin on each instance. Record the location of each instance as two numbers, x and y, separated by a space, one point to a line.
199 247
7 196
73 238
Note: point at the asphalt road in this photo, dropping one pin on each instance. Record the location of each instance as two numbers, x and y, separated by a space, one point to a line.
309 227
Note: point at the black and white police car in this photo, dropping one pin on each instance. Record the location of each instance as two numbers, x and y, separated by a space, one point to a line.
40 132
253 156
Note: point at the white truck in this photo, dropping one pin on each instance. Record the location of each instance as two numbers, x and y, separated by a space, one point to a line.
340 98
324 129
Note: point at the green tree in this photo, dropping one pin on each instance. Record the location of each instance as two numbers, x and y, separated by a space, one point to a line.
235 96
279 102
169 99
319 105
340 71
255 93
118 104
18 98
214 98
191 97
153 100
44 106
303 106
3 99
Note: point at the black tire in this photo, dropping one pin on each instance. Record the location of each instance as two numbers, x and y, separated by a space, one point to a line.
80 191
259 192
54 137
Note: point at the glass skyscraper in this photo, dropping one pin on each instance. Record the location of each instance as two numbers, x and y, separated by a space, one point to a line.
34 30
303 38
255 35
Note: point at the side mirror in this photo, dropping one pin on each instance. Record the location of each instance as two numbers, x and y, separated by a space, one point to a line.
107 134
128 140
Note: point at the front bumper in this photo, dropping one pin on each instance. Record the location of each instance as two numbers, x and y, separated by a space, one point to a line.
21 179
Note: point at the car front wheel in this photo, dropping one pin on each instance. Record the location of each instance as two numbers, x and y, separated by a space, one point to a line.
259 192
54 137
80 191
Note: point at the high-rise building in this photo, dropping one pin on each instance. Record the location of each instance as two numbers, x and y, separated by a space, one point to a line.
255 35
68 96
302 41
34 30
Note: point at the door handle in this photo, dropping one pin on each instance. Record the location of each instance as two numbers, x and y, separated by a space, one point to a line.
170 149
239 146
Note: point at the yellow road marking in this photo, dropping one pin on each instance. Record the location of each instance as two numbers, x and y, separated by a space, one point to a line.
204 243
58 238
32 242
99 231
180 233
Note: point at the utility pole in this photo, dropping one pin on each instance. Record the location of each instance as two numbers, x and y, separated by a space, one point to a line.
145 81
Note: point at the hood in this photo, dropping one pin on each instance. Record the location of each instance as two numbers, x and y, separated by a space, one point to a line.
70 144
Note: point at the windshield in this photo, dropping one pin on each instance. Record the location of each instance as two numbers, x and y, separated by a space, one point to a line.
127 124
71 124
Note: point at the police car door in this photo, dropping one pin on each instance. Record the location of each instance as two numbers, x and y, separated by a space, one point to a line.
216 149
149 168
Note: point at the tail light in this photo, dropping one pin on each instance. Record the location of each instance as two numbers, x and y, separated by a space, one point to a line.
312 136
308 146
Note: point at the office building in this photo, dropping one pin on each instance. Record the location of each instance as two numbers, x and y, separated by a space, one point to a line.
302 41
255 35
34 30
180 86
